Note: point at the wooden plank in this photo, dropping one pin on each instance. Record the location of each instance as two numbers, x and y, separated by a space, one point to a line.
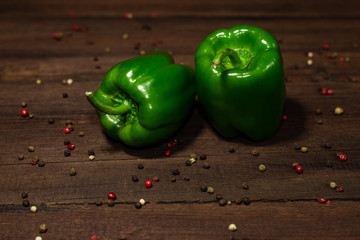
291 220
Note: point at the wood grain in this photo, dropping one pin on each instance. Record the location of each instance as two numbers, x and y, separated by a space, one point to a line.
283 203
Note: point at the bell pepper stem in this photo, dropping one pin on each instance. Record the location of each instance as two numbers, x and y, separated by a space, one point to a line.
112 110
231 54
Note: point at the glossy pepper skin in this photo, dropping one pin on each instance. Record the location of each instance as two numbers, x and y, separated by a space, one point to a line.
144 100
240 82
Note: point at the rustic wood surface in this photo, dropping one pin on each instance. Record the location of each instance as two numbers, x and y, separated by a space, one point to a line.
283 205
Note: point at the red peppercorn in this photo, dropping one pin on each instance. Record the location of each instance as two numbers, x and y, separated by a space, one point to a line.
111 195
341 59
138 42
159 41
56 35
71 146
284 117
156 178
321 200
323 91
326 47
328 202
343 157
167 153
298 169
24 113
339 189
84 29
94 237
329 91
148 184
76 28
67 130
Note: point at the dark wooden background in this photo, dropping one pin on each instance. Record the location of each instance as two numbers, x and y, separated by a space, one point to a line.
283 203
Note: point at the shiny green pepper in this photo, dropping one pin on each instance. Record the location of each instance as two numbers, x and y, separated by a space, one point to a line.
240 82
144 100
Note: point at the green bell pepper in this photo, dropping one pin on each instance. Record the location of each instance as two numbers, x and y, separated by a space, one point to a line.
144 100
240 82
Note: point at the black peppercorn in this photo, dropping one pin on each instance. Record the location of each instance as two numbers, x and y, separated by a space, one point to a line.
51 121
206 166
110 203
222 202
24 195
41 163
246 201
91 152
137 205
67 153
245 186
203 188
297 146
135 178
188 163
202 157
140 166
231 150
21 157
219 196
65 95
175 172
186 178
67 142
329 164
98 203
238 201
26 203
327 146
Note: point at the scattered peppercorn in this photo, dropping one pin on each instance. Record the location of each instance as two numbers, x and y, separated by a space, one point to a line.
67 153
155 178
343 157
329 164
148 184
219 196
71 146
298 169
339 189
98 203
232 227
262 167
137 205
203 188
21 157
304 149
206 165
186 178
173 179
255 153
65 95
202 157
111 195
51 121
23 104
110 203
222 202
72 172
135 178
175 172
26 203
210 190
327 146
91 152
41 163
24 113
231 150
67 130
33 209
140 166
318 112
338 111
297 146
238 201
188 163
321 200
34 161
24 195
42 228
333 185
245 186
31 148
246 201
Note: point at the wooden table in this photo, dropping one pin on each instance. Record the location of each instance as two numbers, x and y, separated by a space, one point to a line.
284 204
